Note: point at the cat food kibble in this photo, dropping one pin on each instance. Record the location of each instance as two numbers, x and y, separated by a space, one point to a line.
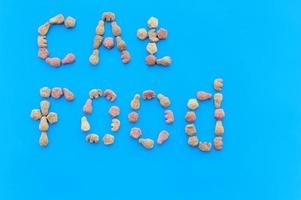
43 53
218 98
98 39
125 56
68 59
150 60
115 125
43 126
203 95
218 143
87 108
164 100
135 103
108 139
205 146
142 33
219 128
108 42
56 92
147 143
135 133
43 29
116 30
85 125
69 96
95 93
219 113
92 138
148 94
169 117
193 104
58 19
114 111
45 92
121 45
165 61
100 28
153 22
43 141
151 48
70 22
108 16
218 84
162 34
163 136
193 141
36 114
190 129
152 35
54 62
94 58
45 105
52 118
133 117
42 42
110 95
190 116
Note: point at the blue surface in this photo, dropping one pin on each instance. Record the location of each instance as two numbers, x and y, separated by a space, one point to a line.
253 45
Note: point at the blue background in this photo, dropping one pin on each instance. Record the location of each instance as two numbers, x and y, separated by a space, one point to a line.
253 45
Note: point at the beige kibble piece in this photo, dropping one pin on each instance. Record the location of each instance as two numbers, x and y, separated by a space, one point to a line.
43 53
108 139
43 141
135 103
219 128
193 104
115 125
58 19
43 126
100 28
164 100
135 133
151 48
219 113
218 84
54 62
36 114
42 42
218 98
94 58
150 60
45 92
218 143
193 141
147 143
125 56
148 94
202 96
108 16
205 146
165 61
45 105
43 29
92 138
68 59
152 35
56 92
69 96
85 125
98 39
162 137
133 117
114 111
87 108
142 33
162 34
116 30
52 118
152 22
70 22
169 116
108 42
190 116
121 45
110 95
190 129
95 93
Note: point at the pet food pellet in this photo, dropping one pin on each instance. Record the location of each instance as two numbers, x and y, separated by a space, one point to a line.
205 146
45 105
152 35
150 60
56 92
43 53
42 42
54 62
110 95
163 136
108 139
190 129
148 94
121 45
218 84
85 125
193 104
147 143
219 113
169 117
135 133
52 118
142 33
152 22
36 114
115 125
125 56
68 59
43 29
193 141
218 98
98 39
70 22
45 92
94 58
69 96
133 117
108 16
95 93
203 95
43 141
108 42
190 116
116 30
164 100
162 34
218 143
151 48
87 108
135 103
219 128
100 28
165 61
114 111
43 126
58 19
92 138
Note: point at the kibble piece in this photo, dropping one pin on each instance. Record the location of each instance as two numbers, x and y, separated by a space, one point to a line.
95 93
70 22
68 59
125 56
218 143
193 104
150 60
98 39
42 42
43 29
56 92
203 95
108 42
162 34
54 62
190 129
87 108
133 117
43 53
219 128
121 45
165 61
135 103
45 92
190 116
142 33
152 35
219 113
115 125
69 96
147 143
94 58
36 114
218 98
169 116
52 118
218 84
58 19
205 146
164 100
100 28
116 30
114 111
110 95
163 136
85 125
45 105
135 133
108 139
43 126
153 22
193 141
92 138
43 141
151 48
108 16
148 94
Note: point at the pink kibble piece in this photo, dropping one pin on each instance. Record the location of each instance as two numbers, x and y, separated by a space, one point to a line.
68 59
190 116
88 107
108 42
219 113
150 60
54 62
135 133
56 92
133 117
148 94
125 56
203 95
114 111
163 136
162 34
110 95
43 53
69 96
169 116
